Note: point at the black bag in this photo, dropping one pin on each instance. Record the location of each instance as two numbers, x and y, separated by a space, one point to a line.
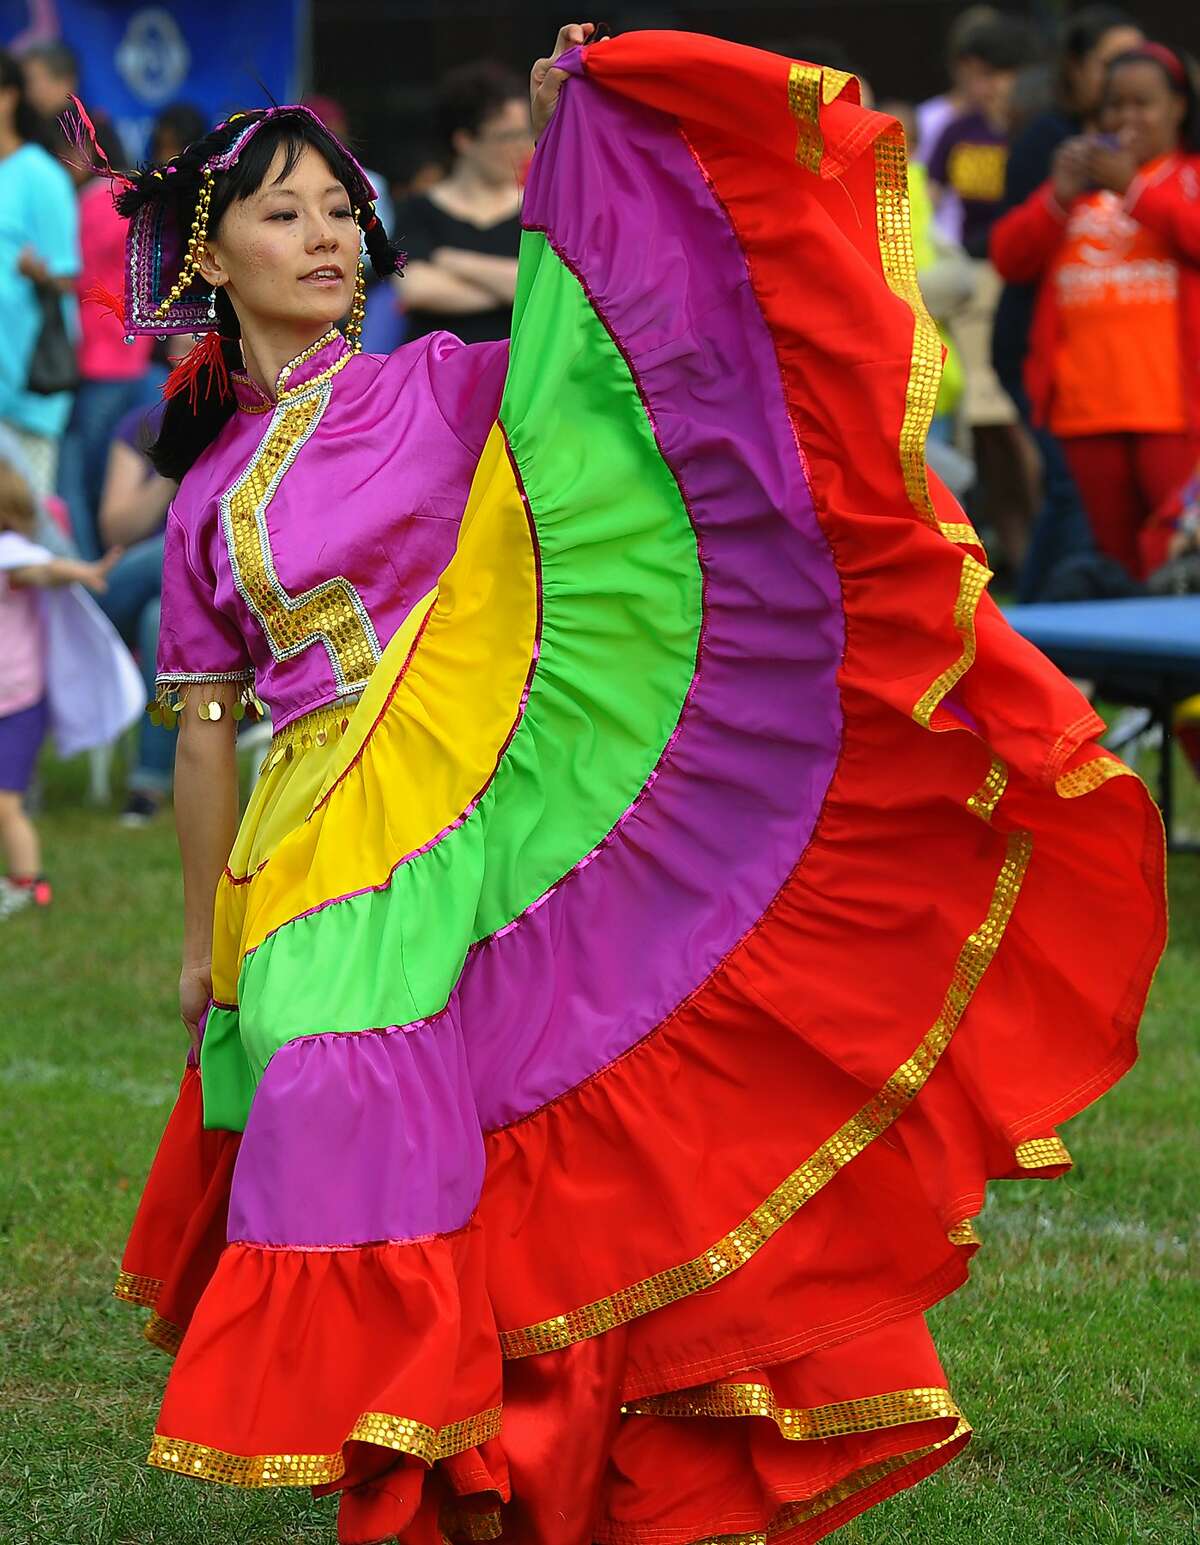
53 366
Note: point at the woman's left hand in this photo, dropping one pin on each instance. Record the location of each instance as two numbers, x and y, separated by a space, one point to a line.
545 82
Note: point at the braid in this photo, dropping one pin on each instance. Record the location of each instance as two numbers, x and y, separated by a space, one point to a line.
386 257
179 178
188 428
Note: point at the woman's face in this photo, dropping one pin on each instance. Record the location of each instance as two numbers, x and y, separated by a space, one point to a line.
500 152
1142 111
288 254
1087 83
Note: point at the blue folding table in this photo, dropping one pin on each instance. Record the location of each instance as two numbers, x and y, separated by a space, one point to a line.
1144 652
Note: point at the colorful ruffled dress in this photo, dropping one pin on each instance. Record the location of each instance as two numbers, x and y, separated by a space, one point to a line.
674 891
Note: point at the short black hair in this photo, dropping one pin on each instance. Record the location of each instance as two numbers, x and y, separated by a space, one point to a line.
183 121
470 94
1005 43
58 57
12 78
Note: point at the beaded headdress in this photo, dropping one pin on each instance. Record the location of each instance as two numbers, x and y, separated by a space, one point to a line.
164 292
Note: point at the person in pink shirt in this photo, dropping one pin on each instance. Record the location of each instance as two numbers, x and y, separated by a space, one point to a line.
115 378
24 698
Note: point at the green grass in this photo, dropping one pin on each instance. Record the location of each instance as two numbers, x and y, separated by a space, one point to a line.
1073 1349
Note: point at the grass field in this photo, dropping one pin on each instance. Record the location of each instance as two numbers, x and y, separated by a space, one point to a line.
1073 1350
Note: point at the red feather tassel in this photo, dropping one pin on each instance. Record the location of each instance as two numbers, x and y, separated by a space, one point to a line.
81 131
204 358
98 295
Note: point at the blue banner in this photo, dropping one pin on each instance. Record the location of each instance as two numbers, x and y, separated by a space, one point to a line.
135 59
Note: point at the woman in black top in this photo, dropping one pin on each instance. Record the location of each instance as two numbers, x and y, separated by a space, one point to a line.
462 236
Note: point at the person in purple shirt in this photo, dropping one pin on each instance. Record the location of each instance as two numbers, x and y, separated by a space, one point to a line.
968 163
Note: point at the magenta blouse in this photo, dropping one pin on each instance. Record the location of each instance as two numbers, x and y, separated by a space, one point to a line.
304 534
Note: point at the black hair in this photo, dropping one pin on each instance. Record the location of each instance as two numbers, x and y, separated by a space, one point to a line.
1001 43
960 37
1083 31
185 431
26 122
183 121
470 94
1184 85
59 58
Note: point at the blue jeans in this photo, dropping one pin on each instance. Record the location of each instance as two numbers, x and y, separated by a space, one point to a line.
1060 527
132 604
83 457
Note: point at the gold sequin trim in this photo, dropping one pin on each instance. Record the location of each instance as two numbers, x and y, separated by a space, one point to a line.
317 728
893 219
799 1425
332 612
1082 780
260 1470
985 798
1042 1153
804 96
132 1289
833 83
971 585
964 1233
162 1334
743 1242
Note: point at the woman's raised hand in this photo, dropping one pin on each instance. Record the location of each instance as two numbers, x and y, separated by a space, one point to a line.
545 82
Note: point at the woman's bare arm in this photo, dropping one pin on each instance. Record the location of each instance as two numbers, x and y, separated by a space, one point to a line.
132 505
206 819
426 287
496 275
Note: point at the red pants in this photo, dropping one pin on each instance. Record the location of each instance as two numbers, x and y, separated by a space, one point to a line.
1123 479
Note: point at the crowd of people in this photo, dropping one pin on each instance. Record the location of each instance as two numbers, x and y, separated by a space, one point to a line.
1055 199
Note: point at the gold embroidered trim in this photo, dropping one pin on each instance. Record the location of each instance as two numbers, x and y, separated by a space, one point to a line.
867 1414
985 799
460 1524
964 1233
870 1475
971 585
1042 1153
800 1512
1082 780
331 612
132 1289
804 88
743 1242
162 1334
260 1470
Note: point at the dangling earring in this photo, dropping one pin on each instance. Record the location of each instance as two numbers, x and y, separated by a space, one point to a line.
212 306
358 310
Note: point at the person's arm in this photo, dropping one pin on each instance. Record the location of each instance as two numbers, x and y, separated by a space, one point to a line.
133 505
66 571
206 820
497 276
1023 242
426 287
1170 208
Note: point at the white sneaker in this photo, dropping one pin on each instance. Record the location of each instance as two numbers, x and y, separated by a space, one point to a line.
14 898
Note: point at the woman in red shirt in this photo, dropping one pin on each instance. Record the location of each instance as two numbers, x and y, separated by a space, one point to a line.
1114 238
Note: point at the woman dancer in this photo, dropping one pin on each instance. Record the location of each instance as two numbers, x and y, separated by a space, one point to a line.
673 892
